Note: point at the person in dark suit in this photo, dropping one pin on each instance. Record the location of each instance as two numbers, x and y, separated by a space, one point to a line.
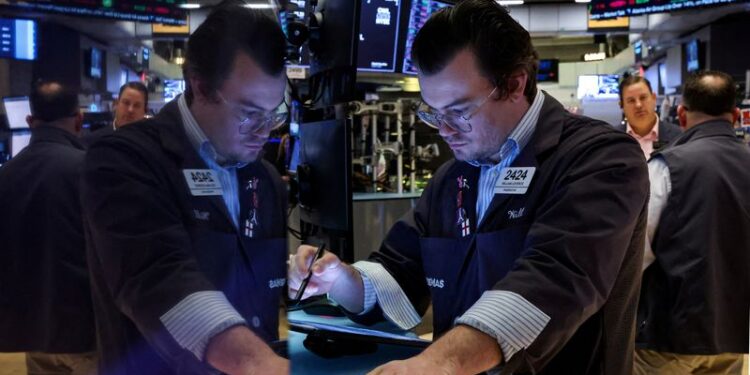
131 106
185 223
638 103
45 300
693 311
528 244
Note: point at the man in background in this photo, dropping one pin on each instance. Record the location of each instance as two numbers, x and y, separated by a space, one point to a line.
695 298
131 106
45 300
638 103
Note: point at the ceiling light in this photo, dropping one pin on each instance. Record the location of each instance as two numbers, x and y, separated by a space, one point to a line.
583 1
190 6
260 6
510 2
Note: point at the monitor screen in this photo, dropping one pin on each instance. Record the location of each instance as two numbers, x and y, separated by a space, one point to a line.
420 11
598 86
173 87
18 39
150 11
692 55
95 63
16 109
18 141
378 35
548 70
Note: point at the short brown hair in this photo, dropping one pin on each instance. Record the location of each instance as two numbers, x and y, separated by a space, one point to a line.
632 80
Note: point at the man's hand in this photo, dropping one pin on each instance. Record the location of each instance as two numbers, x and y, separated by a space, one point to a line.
330 275
238 351
463 350
419 365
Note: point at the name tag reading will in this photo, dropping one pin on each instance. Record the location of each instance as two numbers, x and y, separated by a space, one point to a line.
202 182
514 180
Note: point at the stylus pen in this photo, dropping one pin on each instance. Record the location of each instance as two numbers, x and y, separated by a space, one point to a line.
303 286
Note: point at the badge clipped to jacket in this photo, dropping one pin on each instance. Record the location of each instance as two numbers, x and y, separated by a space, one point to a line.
202 182
514 180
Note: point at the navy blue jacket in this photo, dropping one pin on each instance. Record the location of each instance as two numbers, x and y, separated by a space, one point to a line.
572 245
45 302
151 243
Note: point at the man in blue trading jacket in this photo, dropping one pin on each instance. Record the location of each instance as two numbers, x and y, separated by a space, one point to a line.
638 103
45 301
529 243
186 223
693 312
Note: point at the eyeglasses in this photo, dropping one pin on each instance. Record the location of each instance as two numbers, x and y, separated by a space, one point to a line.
456 121
256 122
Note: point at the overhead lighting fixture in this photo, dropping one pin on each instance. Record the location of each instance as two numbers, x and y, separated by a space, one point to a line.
510 2
596 56
260 6
190 6
583 1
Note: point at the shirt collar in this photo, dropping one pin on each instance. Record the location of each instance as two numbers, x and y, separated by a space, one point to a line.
520 135
198 138
654 133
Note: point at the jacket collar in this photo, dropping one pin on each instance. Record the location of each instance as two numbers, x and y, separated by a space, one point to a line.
54 134
711 128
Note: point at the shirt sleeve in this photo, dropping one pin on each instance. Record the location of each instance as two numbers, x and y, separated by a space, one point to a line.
661 186
388 294
507 316
199 317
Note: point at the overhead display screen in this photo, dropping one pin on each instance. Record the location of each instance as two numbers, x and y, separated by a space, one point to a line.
149 11
603 9
378 35
17 39
420 11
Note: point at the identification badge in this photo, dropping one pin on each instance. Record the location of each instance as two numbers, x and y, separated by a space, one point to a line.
202 182
514 180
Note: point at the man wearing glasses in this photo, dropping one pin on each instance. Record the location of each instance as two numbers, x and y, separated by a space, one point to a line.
185 223
529 244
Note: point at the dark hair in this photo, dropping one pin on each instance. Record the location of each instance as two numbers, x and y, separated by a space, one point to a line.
138 86
712 98
52 100
632 80
500 44
230 28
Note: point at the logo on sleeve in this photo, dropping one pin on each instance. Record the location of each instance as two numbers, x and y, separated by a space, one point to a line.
435 283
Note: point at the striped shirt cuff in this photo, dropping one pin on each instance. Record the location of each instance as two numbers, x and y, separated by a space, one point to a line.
370 297
199 317
392 300
508 317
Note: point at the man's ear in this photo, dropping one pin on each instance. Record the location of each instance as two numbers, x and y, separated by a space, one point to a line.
682 116
517 86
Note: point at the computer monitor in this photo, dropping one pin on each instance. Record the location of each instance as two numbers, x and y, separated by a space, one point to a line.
19 141
325 193
604 86
16 110
378 35
548 71
693 56
420 12
18 39
173 87
94 62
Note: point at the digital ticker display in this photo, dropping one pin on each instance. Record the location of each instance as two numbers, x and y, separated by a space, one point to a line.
604 9
149 11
